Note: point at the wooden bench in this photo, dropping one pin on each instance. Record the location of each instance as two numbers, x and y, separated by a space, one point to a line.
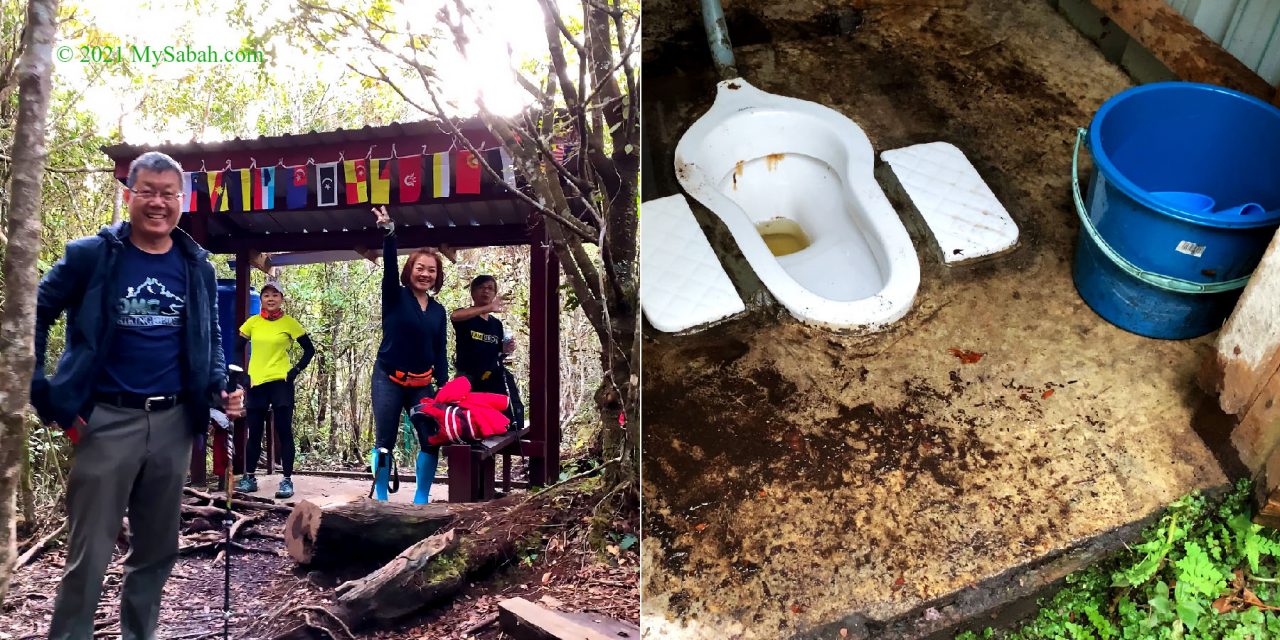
472 467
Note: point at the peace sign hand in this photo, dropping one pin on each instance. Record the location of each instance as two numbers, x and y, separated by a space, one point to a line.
384 218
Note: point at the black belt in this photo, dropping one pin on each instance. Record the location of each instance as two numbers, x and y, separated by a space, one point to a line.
137 401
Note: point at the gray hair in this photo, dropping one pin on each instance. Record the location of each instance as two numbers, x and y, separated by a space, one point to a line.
154 161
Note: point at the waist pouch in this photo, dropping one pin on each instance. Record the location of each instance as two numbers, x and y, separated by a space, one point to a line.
406 379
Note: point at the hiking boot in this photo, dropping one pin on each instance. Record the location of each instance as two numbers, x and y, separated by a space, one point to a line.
286 488
247 484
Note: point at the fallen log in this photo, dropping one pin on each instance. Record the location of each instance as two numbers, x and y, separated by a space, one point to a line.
426 572
341 528
430 572
524 620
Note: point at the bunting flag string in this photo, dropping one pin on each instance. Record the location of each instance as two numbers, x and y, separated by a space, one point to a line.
420 178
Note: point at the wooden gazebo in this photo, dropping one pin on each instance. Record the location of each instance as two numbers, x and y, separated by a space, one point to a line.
267 226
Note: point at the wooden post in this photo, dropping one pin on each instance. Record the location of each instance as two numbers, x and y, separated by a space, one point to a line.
544 360
461 473
552 411
199 229
242 314
199 472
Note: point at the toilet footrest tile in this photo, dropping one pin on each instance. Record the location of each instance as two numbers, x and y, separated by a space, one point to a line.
961 211
682 283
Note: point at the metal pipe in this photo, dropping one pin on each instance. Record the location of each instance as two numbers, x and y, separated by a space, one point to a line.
718 38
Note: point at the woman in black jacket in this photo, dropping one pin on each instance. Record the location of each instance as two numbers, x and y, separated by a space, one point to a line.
411 362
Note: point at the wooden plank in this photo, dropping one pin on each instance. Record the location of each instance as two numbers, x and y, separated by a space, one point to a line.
1259 432
1248 347
1181 46
524 620
1267 492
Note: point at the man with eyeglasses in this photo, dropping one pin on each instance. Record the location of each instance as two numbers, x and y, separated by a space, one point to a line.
142 366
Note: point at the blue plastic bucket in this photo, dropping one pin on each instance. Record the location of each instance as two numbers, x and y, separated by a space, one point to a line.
1153 266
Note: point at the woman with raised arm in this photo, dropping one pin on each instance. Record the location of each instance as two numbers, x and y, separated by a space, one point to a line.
411 362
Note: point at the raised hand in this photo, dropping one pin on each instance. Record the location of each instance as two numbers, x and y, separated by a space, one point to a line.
497 306
384 218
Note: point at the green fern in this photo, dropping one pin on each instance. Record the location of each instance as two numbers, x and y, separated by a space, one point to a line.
1165 586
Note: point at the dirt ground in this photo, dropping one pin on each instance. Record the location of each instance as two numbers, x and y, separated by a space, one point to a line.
803 482
311 487
564 572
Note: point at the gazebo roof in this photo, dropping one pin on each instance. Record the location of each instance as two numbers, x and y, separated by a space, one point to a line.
459 220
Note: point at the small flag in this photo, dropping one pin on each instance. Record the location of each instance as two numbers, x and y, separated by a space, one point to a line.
199 192
327 184
557 153
264 193
236 184
467 173
500 161
296 195
379 181
188 193
255 189
410 182
217 193
508 167
440 175
356 174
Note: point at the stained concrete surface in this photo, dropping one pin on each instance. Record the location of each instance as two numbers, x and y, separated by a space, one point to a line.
798 481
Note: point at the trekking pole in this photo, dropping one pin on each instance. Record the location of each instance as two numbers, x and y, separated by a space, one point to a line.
233 382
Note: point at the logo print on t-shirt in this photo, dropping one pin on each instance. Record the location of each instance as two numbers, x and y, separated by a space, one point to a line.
484 337
150 304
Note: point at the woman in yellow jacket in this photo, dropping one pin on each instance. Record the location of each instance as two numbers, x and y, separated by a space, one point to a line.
271 376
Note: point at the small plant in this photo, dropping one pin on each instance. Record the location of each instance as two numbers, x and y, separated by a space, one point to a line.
1199 573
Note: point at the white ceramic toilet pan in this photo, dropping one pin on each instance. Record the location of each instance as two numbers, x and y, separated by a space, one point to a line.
755 157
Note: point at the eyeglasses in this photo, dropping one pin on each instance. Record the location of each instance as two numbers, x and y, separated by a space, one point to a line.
147 195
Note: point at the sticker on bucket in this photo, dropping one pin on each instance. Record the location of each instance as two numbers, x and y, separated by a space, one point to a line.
1191 248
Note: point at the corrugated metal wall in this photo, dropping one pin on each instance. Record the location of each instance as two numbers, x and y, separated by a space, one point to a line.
1249 29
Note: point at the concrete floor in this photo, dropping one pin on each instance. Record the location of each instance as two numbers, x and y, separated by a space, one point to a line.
800 482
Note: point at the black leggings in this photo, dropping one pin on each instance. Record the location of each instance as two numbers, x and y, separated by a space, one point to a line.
257 420
278 395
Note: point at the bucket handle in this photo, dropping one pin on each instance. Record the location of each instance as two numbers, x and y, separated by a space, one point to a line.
1167 283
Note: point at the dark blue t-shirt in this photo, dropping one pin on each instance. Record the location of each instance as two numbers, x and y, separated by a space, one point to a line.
145 355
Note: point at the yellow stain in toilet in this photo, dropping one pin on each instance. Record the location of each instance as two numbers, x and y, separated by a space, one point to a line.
737 172
771 161
783 236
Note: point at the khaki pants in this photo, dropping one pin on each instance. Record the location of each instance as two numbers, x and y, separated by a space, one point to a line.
134 461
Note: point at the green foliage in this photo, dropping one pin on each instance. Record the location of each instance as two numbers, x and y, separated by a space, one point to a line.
1196 561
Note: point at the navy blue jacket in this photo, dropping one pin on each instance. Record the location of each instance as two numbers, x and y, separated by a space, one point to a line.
413 340
83 283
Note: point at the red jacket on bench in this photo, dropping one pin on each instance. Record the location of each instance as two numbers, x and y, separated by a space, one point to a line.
464 416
